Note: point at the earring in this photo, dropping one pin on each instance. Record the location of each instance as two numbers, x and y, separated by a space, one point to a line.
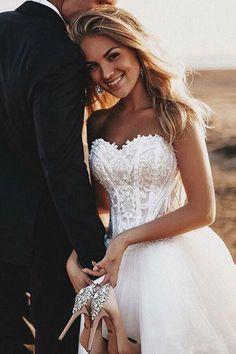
141 74
99 90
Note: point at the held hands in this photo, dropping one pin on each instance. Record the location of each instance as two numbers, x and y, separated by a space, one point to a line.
110 264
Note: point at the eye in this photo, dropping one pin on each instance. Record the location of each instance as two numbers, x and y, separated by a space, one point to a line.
91 67
113 56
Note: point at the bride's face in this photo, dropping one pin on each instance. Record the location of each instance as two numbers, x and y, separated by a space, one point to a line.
112 66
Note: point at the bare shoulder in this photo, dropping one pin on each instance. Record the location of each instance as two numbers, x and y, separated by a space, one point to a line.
191 150
192 137
96 122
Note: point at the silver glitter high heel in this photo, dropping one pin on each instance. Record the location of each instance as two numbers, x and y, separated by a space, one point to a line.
104 307
82 301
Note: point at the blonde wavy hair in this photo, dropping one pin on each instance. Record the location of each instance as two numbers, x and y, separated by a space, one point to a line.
164 82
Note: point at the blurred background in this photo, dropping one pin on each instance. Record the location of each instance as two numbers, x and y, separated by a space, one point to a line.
202 34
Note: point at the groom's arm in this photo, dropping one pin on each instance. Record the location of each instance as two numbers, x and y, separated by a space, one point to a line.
79 279
58 108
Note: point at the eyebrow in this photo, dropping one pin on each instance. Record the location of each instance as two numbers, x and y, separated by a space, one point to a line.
104 55
109 50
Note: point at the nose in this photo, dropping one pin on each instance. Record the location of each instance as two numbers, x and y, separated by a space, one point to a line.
107 72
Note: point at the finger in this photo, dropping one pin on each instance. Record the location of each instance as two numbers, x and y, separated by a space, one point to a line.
85 275
106 280
97 266
89 271
113 274
104 263
88 281
97 273
113 281
86 270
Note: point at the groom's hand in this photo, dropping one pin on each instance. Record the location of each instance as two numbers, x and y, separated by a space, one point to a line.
78 278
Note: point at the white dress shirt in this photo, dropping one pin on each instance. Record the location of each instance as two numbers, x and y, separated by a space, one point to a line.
49 4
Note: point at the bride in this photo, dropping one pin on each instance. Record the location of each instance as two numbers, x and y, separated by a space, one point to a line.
174 279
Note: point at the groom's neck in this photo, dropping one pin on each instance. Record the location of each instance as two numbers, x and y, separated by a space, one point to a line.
57 3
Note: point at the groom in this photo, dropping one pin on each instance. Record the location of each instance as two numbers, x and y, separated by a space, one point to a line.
46 204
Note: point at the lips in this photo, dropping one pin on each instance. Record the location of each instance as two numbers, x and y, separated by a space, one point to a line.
115 83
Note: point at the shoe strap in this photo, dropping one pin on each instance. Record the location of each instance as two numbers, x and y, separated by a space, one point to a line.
83 297
100 297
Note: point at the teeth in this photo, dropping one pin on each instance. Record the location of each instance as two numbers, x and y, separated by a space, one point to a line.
113 83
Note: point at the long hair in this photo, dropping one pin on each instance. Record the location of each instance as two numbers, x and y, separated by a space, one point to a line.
165 83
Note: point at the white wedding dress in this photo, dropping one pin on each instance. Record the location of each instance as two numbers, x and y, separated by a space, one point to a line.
176 295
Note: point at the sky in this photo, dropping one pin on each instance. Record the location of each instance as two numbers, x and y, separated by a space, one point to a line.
202 33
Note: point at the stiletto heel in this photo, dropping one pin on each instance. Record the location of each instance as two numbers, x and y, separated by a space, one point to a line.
102 316
83 311
82 300
104 307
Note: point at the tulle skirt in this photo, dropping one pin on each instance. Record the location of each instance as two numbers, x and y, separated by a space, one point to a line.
178 296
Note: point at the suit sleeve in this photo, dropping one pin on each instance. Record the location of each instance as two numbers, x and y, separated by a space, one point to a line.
58 107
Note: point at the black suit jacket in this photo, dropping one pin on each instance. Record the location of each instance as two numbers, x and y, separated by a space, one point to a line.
45 194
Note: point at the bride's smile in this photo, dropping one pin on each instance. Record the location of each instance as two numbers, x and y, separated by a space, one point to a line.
114 83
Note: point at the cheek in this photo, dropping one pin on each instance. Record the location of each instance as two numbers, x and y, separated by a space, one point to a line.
95 76
133 67
134 71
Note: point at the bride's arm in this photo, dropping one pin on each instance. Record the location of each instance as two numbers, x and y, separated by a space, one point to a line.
194 166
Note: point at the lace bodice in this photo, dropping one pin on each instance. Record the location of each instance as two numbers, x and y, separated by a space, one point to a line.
141 178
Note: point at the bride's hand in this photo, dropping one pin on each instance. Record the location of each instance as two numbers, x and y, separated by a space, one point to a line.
110 264
96 273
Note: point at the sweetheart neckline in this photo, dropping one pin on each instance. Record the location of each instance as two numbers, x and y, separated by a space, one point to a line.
128 141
